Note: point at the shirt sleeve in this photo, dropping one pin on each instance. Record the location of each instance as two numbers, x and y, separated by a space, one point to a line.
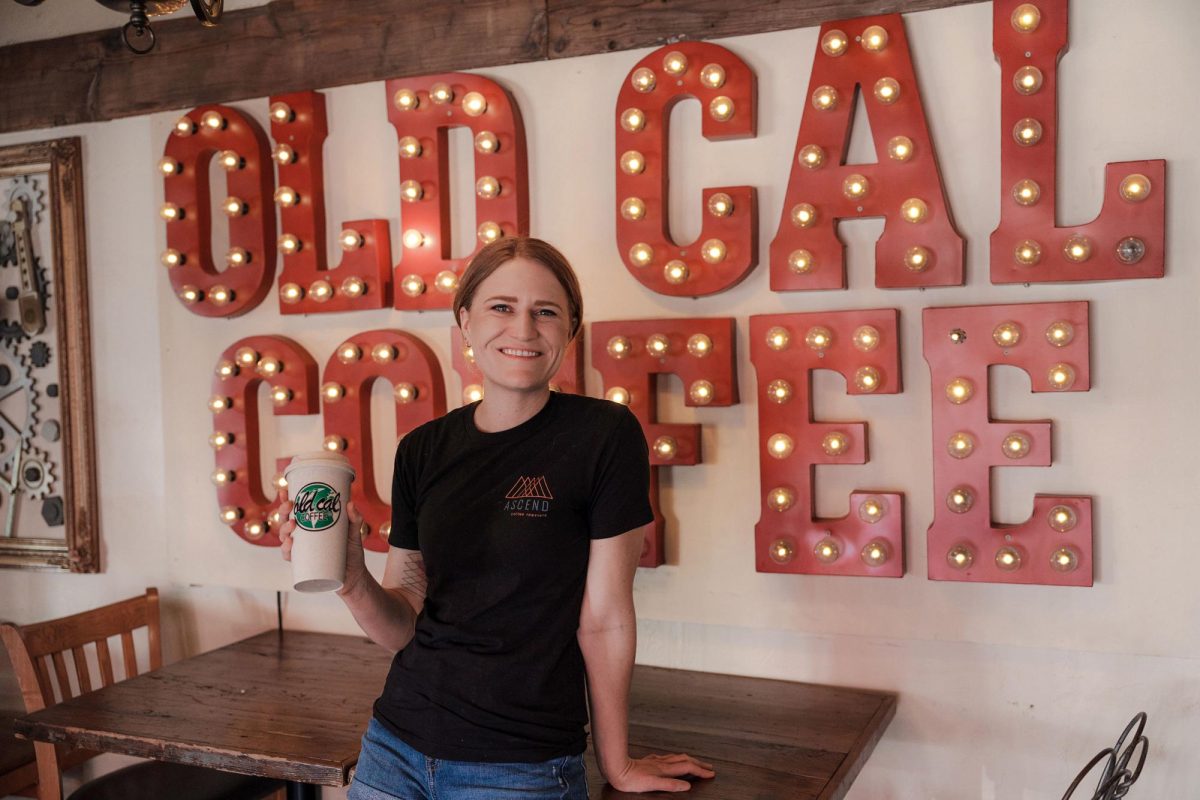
404 498
621 492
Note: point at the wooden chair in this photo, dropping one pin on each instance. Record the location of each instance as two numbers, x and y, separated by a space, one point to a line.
40 650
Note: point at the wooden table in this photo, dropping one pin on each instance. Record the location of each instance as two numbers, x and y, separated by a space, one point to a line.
295 705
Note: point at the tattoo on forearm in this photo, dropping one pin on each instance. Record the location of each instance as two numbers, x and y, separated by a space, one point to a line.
413 578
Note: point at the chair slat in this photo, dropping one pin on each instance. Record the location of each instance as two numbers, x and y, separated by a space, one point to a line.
105 659
82 674
43 679
60 634
131 669
60 670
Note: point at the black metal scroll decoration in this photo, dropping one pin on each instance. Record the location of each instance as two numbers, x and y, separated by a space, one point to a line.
1116 778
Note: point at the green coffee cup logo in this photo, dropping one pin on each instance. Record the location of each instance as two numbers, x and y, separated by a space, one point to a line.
318 506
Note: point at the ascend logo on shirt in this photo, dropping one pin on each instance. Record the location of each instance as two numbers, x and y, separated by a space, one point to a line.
529 497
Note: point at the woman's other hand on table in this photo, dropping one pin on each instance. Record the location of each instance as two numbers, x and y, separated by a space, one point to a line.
656 773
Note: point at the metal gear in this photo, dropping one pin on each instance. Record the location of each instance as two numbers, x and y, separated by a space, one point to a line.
37 473
27 188
39 354
8 244
20 383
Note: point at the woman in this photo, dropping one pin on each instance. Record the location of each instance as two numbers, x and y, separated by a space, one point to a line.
517 525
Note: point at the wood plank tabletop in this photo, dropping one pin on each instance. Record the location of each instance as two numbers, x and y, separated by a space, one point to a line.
295 705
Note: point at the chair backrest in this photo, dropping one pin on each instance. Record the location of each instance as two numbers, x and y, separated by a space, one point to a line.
39 656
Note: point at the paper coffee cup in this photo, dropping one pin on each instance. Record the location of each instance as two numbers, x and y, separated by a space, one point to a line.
319 488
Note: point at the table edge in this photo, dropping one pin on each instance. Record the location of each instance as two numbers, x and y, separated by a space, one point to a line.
841 780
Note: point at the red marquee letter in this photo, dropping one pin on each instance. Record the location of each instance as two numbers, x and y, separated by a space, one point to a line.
919 245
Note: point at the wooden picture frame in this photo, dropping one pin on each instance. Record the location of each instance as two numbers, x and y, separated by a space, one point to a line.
51 172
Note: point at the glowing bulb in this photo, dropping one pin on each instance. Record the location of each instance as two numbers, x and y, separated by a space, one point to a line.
1062 518
619 347
900 148
230 514
212 120
226 369
632 162
1027 80
825 98
486 142
320 291
349 353
642 79
487 187
406 100
230 160
1027 132
827 551
441 93
782 551
291 293
286 196
713 76
1062 377
675 272
961 445
246 356
172 258
803 215
410 147
281 395
632 208
220 295
960 556
283 154
170 212
190 295
184 127
641 254
781 498
1064 559
917 258
221 477
474 104
872 510
713 251
887 90
1026 17
255 529
811 156
874 38
701 392
413 238
218 403
875 553
779 391
472 393
699 345
281 112
446 282
1016 445
780 445
855 186
405 393
633 119
618 394
959 390
269 367
867 378
333 443
350 239
960 500
720 204
800 261
777 338
353 287
1026 192
914 210
169 166
833 42
834 444
1008 559
1077 248
332 392
236 257
288 244
1060 333
220 439
665 447
818 338
1028 252
234 206
865 338
411 191
383 353
721 108
1006 334
675 62
1135 188
658 345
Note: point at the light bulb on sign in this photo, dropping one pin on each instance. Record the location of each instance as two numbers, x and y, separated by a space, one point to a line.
1028 80
1064 559
782 551
288 244
269 367
642 80
446 282
246 356
350 239
486 142
641 254
720 205
281 395
411 191
230 514
1062 377
383 353
701 392
1016 445
410 147
1062 518
291 293
1135 188
1006 334
665 447
349 353
780 445
1060 334
917 258
872 510
834 444
286 196
874 38
834 42
658 345
721 108
281 112
234 206
900 148
779 391
230 161
713 76
212 120
811 156
960 556
406 100
226 369
618 394
959 390
818 338
825 98
914 210
220 439
1028 253
675 63
172 258
283 154
489 232
1130 250
875 553
619 347
487 187
474 104
887 90
960 499
632 119
169 166
961 445
184 127
405 393
777 338
222 477
713 251
855 186
255 529
236 257
1027 132
218 403
441 93
803 215
632 162
800 261
865 338
1077 248
413 238
699 345
633 209
320 291
867 378
781 498
1026 192
1008 559
170 212
332 392
827 551
333 443
190 295
675 272
1025 18
220 295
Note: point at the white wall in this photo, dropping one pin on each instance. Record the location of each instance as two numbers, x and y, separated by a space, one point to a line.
1005 691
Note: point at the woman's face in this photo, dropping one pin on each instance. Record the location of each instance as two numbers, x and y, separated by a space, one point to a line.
518 325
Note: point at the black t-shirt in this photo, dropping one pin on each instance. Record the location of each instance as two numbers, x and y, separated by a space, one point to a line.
503 522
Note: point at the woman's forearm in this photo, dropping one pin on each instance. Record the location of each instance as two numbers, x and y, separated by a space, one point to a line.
383 614
608 653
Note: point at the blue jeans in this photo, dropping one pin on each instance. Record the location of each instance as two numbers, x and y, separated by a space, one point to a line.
389 769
